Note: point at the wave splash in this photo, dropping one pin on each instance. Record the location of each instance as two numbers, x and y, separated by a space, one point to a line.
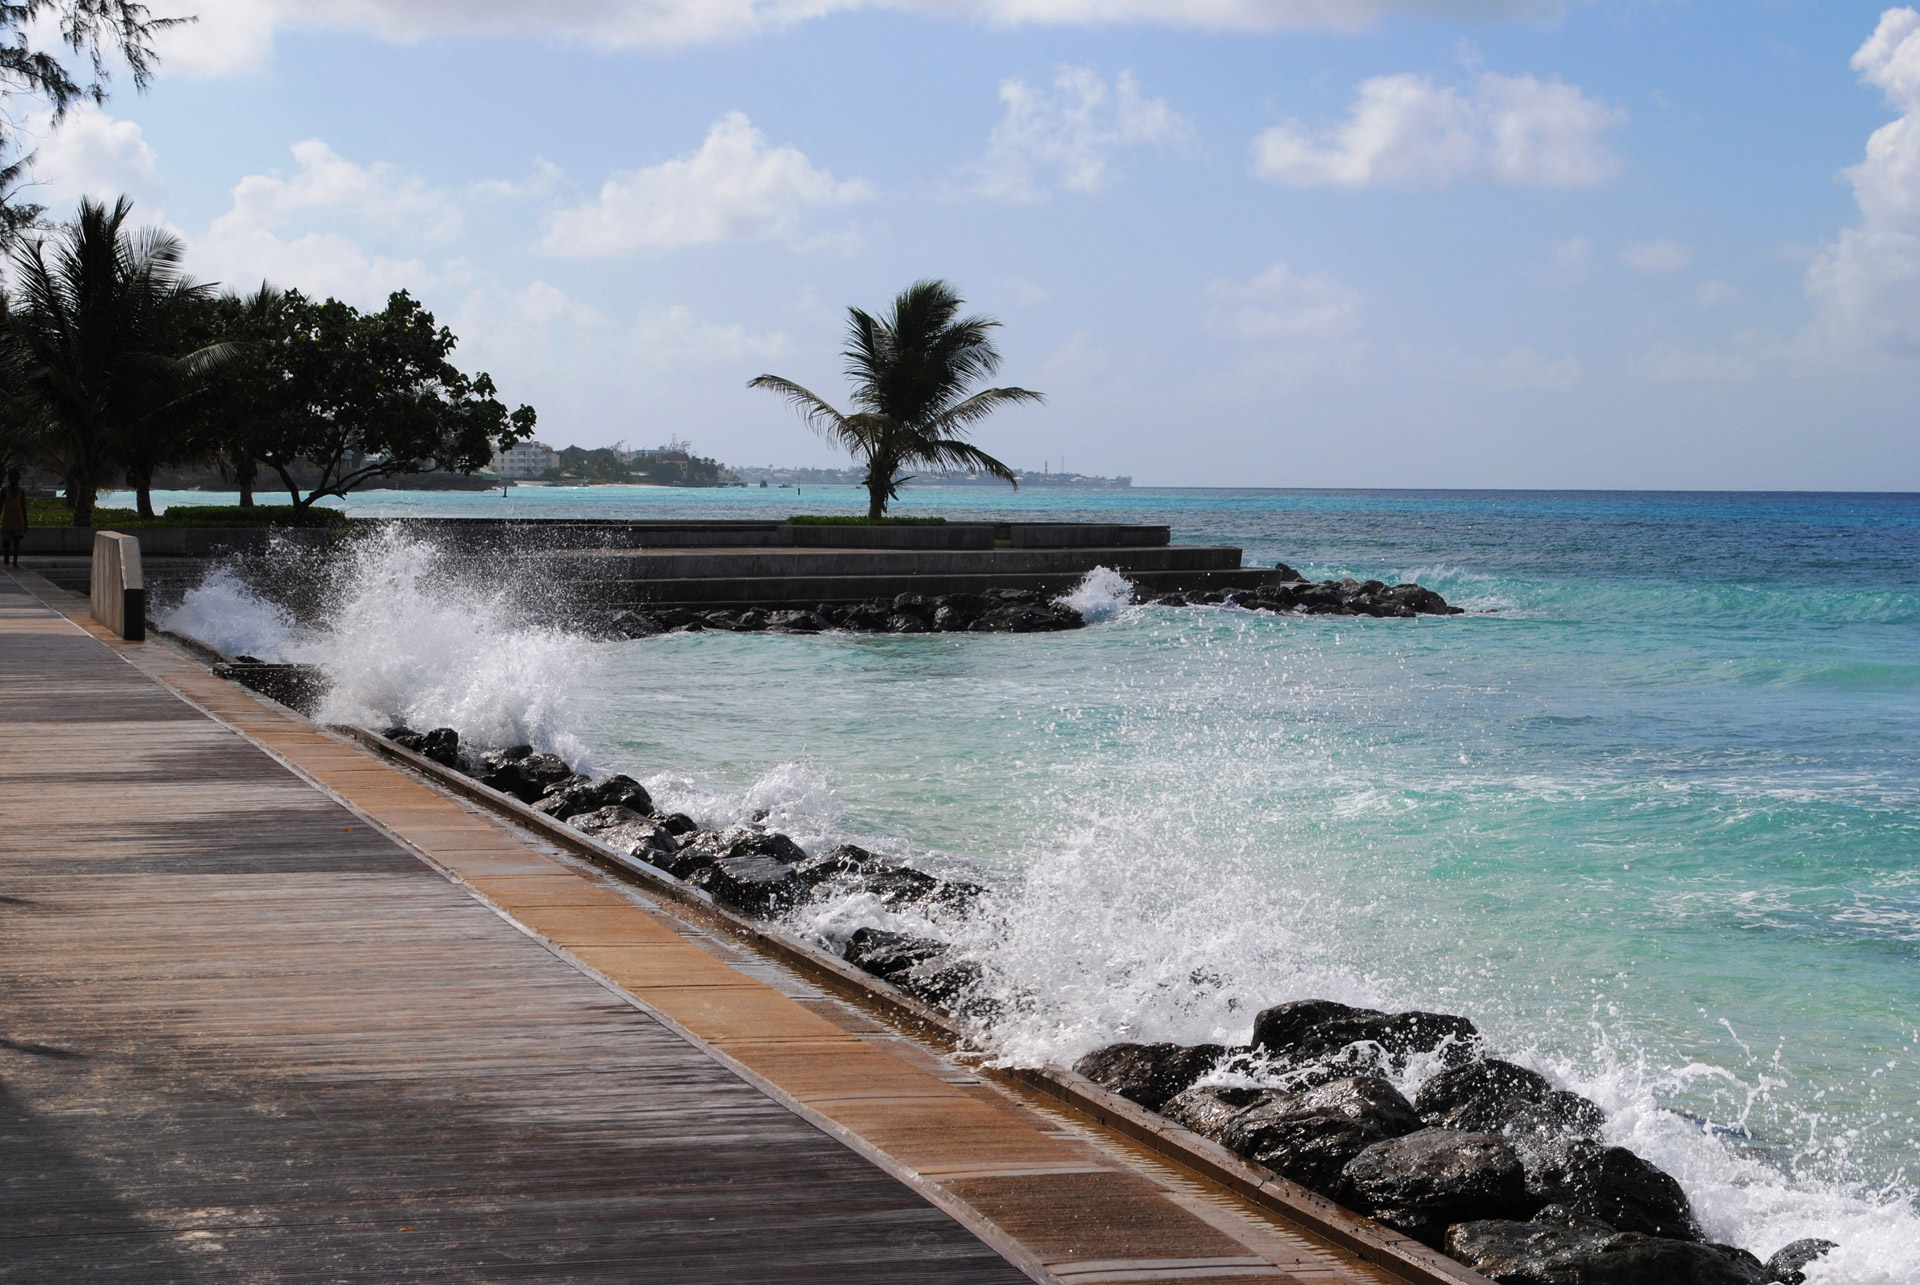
405 634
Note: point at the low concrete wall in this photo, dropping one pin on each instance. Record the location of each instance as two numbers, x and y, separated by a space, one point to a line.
119 592
168 542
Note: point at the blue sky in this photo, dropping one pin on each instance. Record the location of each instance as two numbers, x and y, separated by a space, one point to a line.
1474 243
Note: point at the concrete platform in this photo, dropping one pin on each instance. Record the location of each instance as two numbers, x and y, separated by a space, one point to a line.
277 1010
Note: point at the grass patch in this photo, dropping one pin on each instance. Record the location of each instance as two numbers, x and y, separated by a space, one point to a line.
829 519
51 513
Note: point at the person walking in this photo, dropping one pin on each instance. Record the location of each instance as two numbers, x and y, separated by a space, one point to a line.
13 518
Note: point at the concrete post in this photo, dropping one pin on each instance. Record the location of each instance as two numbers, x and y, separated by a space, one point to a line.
119 594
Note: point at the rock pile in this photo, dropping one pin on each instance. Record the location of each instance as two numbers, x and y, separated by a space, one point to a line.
1488 1162
1026 611
998 611
1326 598
749 868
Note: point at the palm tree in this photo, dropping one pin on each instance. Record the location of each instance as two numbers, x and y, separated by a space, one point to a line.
911 372
95 329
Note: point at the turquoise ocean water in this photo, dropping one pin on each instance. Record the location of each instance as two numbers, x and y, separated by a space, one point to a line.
1650 814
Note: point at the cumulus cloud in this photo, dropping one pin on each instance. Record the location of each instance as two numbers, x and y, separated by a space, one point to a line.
1410 131
1293 325
735 187
237 35
90 153
1656 256
1865 284
1071 136
676 338
303 230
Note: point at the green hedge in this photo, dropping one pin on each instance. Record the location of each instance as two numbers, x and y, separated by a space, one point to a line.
826 519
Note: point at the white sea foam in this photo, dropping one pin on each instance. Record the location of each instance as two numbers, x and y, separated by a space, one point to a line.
1100 595
402 638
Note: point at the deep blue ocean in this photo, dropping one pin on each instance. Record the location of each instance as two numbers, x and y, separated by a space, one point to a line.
1649 813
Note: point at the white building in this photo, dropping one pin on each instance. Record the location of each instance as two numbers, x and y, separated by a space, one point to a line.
525 461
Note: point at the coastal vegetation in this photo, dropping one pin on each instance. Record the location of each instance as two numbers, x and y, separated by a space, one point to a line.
912 371
114 363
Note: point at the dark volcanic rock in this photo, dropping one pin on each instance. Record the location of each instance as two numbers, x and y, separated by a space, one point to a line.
924 968
1480 1096
1788 1264
1560 1247
627 831
1149 1074
1206 1109
849 868
1311 1030
888 955
736 841
678 823
1425 1182
797 622
752 882
1310 1136
1609 1183
574 798
526 777
1558 1115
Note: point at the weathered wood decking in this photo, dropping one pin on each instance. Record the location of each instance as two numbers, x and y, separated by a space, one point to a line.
271 1009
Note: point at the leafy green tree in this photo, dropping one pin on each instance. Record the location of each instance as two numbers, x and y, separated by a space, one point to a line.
94 31
238 414
360 397
95 328
911 371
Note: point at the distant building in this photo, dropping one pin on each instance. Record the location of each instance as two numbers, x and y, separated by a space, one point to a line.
525 461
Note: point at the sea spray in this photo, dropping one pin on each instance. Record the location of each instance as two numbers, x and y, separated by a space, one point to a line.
407 632
1101 593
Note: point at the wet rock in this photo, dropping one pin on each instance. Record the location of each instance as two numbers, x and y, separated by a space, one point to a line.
924 968
1788 1264
1205 1108
1285 573
626 831
1424 1182
604 819
913 604
1311 1136
1561 1247
1480 1096
850 868
703 849
678 823
1314 1029
889 955
634 624
797 622
1611 1184
753 882
1560 1114
527 777
904 622
587 795
1149 1074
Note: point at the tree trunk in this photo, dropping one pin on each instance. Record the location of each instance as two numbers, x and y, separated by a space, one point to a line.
245 469
142 494
82 500
876 502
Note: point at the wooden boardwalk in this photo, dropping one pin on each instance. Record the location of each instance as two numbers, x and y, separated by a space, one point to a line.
271 1009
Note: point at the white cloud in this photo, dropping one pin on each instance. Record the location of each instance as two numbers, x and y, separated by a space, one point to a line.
90 153
736 187
1071 136
1079 360
1656 256
270 231
237 35
1295 325
676 338
1865 284
1408 131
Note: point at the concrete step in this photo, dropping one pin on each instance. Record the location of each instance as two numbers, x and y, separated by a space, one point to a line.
654 565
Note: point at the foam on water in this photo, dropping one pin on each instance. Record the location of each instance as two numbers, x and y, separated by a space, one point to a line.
225 613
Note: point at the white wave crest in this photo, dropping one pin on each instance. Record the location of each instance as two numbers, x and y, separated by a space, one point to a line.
1100 595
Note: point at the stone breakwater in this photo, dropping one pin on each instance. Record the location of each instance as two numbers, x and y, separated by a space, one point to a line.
1488 1162
1023 611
